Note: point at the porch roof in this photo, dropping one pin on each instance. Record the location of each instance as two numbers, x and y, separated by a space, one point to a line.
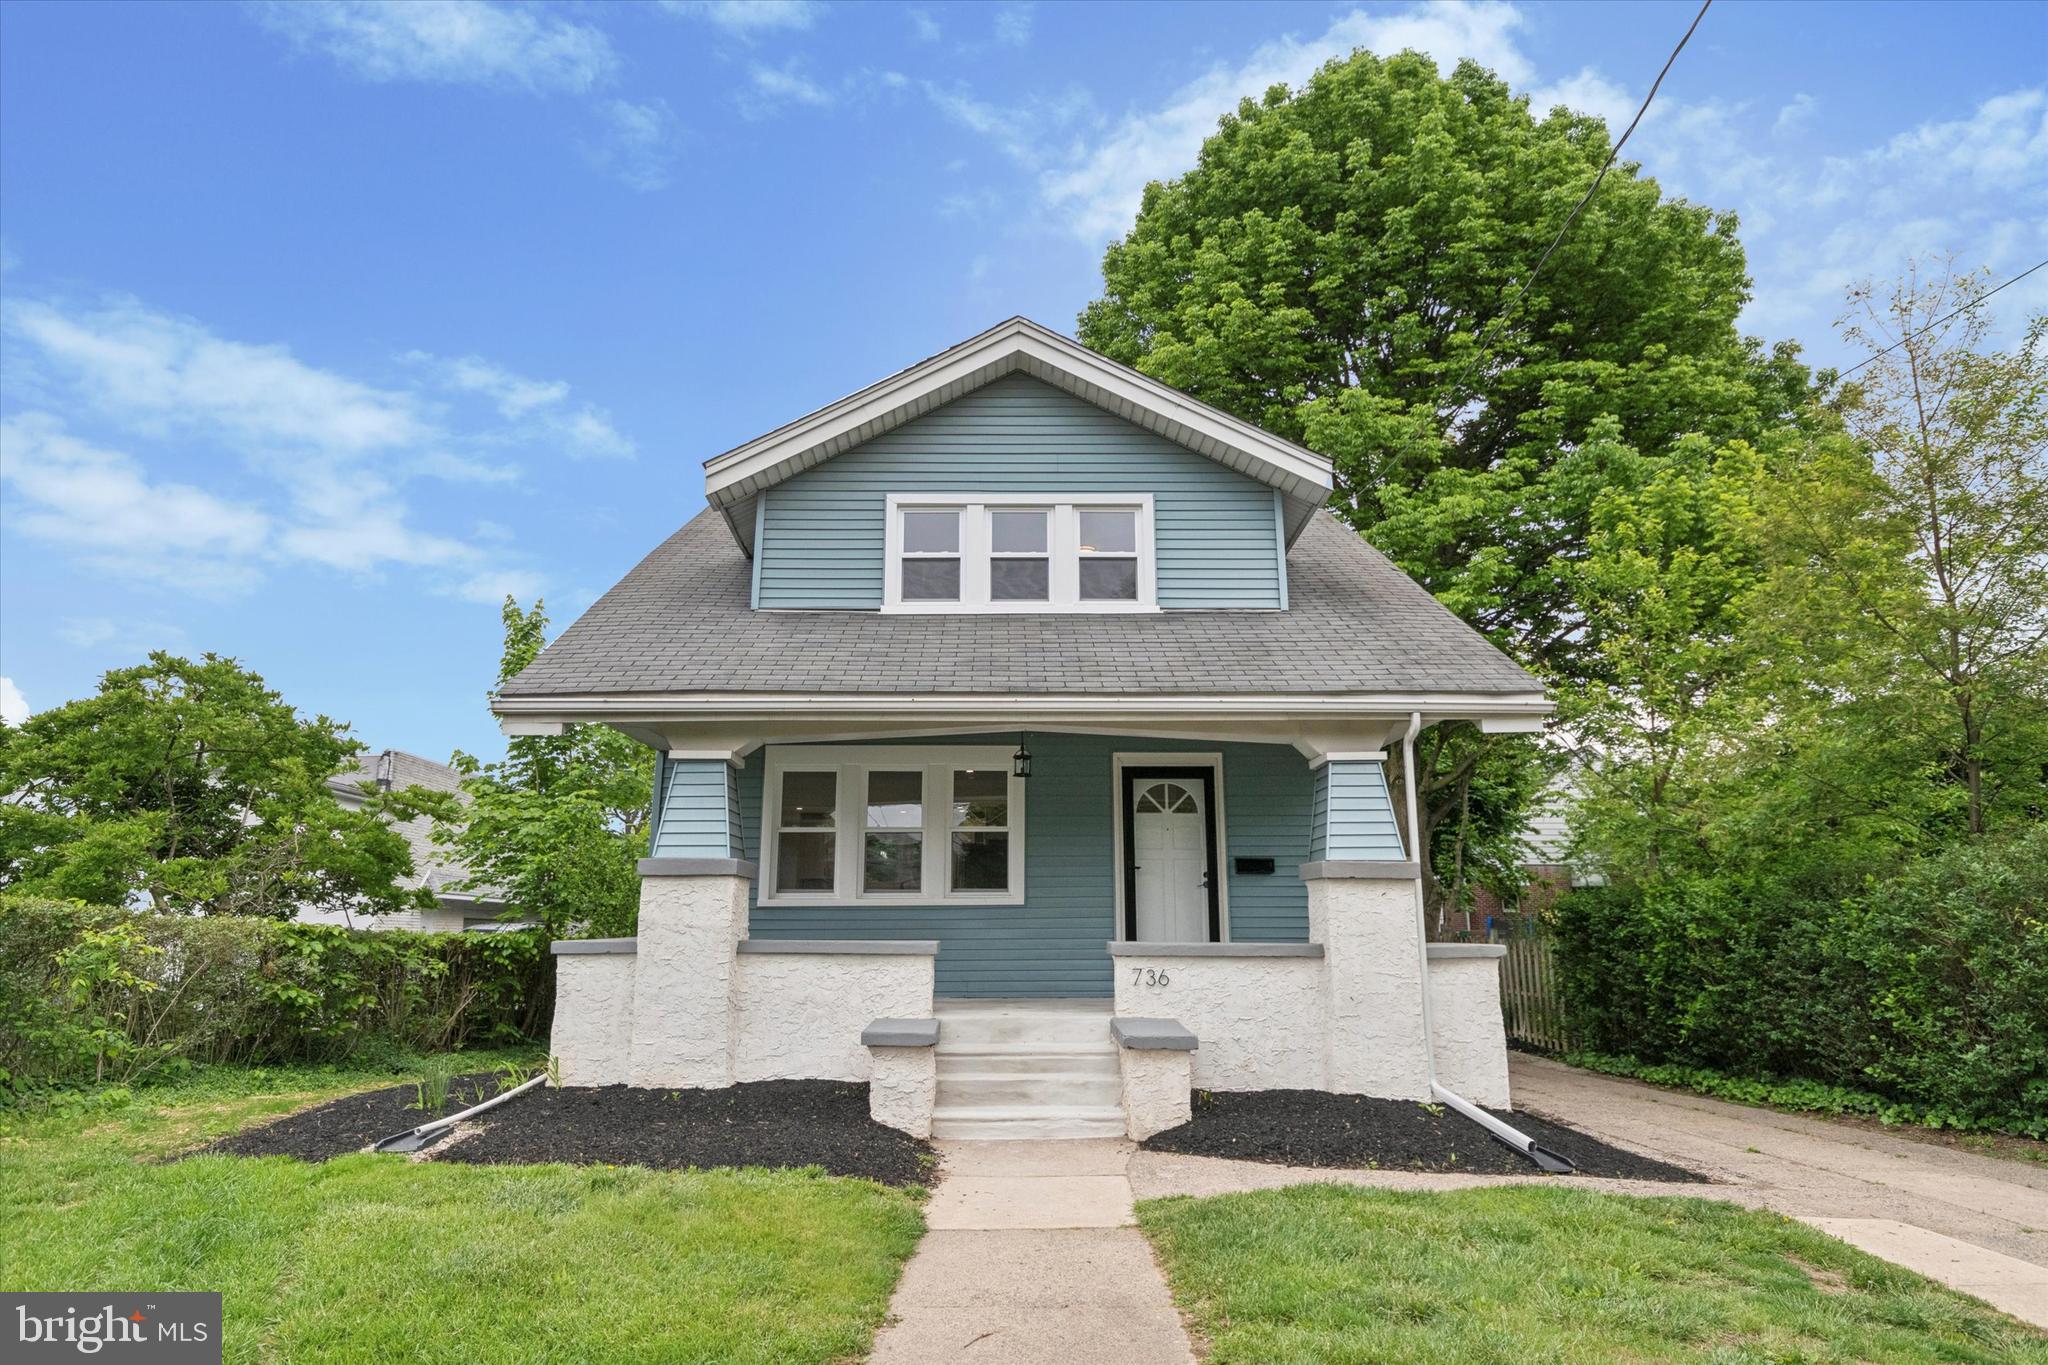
681 625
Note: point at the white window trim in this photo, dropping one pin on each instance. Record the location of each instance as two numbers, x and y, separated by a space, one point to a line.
852 763
1064 592
1167 759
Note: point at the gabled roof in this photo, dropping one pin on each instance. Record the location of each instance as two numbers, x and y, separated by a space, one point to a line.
734 480
680 626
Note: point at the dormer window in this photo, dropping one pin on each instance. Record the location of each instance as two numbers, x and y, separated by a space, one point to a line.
1046 553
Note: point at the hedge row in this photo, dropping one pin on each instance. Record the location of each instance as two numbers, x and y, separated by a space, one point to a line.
1928 990
91 993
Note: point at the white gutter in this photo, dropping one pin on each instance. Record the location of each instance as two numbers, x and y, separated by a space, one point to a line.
1514 1137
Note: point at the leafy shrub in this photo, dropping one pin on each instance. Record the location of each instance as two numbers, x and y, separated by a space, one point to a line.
92 993
1922 998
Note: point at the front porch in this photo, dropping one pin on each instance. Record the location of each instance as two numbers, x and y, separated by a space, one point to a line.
1229 915
1068 879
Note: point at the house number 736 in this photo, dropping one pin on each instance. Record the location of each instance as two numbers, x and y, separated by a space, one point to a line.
1149 976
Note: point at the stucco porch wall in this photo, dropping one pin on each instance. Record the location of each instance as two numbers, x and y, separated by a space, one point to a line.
1263 1022
1258 1019
801 1010
1471 1042
798 1008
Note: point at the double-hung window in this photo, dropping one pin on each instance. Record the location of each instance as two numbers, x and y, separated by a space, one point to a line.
974 552
892 824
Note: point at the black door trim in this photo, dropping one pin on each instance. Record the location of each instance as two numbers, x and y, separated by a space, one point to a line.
1181 772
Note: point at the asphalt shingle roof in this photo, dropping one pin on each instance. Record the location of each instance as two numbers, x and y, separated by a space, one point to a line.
681 622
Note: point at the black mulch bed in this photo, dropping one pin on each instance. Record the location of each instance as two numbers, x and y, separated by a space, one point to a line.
352 1122
1313 1128
762 1123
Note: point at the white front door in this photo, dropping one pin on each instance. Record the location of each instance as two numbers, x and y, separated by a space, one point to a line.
1170 850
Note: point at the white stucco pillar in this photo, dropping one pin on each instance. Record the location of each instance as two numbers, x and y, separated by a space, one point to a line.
592 1041
1373 1039
693 913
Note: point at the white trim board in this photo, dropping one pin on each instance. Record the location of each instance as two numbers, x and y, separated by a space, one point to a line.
1169 759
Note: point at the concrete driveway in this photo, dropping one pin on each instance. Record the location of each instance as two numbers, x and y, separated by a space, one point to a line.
1976 1223
1803 1166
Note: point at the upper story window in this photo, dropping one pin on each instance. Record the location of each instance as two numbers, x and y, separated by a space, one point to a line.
982 553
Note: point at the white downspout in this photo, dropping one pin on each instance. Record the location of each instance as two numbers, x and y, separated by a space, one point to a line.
1512 1136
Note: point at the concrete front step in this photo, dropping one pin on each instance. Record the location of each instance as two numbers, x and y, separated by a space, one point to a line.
998 1123
1033 1090
1042 1029
1000 1060
1013 1069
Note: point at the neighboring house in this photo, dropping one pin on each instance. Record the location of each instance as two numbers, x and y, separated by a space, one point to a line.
433 867
1014 692
1546 862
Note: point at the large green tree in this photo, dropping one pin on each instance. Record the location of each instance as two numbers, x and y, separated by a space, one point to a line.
556 825
193 785
1907 610
1350 265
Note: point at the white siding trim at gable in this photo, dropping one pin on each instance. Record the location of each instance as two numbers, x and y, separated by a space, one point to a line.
733 480
823 539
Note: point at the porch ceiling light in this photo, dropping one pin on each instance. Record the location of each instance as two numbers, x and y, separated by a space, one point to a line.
1020 762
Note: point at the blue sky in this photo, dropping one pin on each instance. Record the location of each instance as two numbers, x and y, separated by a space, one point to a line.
323 326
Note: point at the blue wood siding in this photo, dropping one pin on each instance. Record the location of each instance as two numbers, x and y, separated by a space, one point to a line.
1053 944
1352 814
1217 540
699 813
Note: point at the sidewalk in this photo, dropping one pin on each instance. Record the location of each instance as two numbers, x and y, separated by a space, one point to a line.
1033 1256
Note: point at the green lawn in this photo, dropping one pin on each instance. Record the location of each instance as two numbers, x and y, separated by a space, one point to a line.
370 1258
1328 1273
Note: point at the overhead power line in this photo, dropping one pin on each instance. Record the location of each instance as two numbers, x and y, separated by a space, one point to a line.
1938 321
1587 198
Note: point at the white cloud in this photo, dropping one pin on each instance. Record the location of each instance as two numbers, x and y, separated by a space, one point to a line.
1013 25
497 585
772 89
539 407
1588 92
786 84
747 18
101 504
1098 195
87 631
514 395
482 43
466 42
150 367
13 706
638 144
923 27
1797 113
326 459
2002 146
130 636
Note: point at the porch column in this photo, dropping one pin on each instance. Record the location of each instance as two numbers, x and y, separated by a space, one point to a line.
1362 909
693 913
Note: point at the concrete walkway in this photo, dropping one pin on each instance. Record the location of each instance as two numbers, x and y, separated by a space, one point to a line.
1033 1256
